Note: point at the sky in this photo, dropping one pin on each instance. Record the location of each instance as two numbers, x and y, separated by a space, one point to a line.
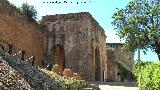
101 10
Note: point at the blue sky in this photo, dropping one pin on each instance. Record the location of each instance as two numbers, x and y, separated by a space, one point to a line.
101 10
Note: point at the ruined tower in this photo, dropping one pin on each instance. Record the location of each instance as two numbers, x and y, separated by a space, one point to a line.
75 41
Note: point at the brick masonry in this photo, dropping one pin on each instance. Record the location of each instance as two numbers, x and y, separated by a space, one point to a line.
82 43
15 28
115 53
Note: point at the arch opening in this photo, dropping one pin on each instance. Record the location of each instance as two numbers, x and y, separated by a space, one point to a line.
97 65
59 56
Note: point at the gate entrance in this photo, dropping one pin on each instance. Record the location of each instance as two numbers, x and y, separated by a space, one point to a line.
58 56
97 65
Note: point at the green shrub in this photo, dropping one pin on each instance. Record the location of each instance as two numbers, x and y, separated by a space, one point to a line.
65 83
147 75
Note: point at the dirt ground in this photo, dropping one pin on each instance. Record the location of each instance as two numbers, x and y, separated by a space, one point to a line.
116 85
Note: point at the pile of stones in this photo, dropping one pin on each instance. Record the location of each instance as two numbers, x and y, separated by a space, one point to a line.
31 76
11 79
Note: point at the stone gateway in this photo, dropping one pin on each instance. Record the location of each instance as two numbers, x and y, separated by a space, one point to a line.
77 42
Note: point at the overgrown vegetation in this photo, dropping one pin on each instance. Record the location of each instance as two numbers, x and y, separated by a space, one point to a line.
29 11
66 83
147 75
12 5
125 72
117 58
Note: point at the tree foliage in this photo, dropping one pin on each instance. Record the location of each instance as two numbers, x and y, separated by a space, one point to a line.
147 75
29 11
139 24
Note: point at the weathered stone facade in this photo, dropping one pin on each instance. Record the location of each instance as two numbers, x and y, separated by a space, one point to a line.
116 54
17 29
112 67
75 41
126 57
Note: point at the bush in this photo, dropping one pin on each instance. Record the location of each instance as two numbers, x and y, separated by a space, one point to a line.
147 75
66 83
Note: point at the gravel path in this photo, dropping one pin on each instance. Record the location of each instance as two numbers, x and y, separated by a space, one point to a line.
116 85
107 87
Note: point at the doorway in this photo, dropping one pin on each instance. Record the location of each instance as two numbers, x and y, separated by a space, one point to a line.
97 65
59 56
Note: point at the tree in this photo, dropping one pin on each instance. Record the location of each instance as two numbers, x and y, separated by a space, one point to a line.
139 24
29 11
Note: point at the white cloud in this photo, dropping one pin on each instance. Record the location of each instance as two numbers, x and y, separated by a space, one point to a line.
19 2
113 38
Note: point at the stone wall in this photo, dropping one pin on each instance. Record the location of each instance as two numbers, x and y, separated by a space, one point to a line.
82 43
112 67
123 55
16 29
116 56
97 50
75 41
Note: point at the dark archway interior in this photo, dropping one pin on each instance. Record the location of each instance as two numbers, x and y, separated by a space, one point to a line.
58 56
97 65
